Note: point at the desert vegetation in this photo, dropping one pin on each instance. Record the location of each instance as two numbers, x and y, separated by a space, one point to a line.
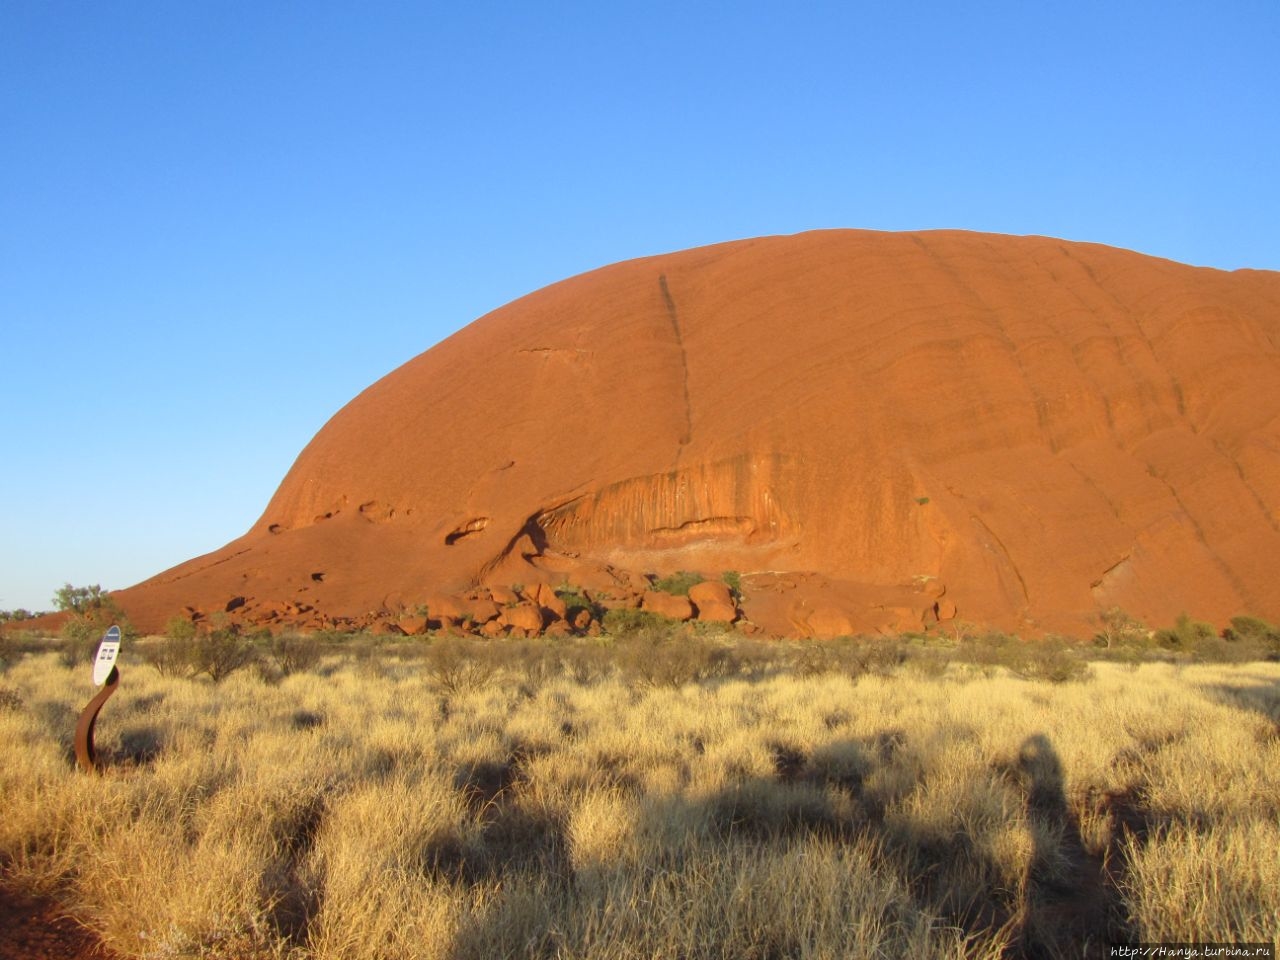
653 792
677 583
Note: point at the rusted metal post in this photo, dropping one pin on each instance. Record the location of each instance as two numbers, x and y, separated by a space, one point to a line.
107 676
85 754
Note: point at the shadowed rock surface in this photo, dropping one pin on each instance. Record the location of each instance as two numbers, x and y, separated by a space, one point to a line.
877 430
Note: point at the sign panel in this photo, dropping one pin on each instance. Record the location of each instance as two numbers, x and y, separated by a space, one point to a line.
108 649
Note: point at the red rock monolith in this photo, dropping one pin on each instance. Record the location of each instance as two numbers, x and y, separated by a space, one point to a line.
1041 429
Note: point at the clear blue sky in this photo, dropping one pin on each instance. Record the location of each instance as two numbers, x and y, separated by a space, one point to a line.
219 221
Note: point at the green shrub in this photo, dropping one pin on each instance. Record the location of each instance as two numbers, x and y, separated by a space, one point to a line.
659 651
992 649
587 663
1051 661
1246 638
217 655
733 580
293 652
173 656
853 656
1051 658
812 658
1253 631
671 657
221 654
575 599
678 583
535 661
79 644
1186 635
459 666
878 655
180 628
625 622
333 637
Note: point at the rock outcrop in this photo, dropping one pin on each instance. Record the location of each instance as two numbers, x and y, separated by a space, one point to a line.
877 431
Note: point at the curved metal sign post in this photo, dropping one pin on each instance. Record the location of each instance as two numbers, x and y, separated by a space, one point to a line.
104 672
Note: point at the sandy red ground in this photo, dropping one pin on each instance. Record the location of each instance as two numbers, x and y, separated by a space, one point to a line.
37 929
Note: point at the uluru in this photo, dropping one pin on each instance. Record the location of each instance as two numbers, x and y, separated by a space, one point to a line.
873 431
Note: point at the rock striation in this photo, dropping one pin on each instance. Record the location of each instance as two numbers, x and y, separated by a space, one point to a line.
877 431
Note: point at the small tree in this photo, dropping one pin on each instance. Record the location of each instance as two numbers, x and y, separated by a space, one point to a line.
92 611
80 599
1118 629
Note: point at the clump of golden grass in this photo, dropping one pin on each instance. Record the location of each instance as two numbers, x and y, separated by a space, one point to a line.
546 803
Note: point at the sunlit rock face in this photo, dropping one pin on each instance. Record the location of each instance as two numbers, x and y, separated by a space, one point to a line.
876 430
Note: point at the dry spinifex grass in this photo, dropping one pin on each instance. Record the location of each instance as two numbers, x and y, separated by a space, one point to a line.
363 810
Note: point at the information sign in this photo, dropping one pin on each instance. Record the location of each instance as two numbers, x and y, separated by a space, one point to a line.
105 661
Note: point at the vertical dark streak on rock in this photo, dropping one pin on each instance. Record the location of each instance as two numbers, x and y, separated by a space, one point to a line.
1135 316
1244 480
1026 594
672 314
989 316
1093 485
1231 576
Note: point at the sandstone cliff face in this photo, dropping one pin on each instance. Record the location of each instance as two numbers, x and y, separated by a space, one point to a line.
877 430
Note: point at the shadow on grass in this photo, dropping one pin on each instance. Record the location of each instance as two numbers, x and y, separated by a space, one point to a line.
515 835
1262 697
293 901
1071 902
1067 904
